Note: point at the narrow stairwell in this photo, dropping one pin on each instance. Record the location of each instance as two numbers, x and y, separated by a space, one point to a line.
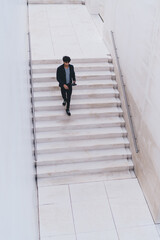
90 145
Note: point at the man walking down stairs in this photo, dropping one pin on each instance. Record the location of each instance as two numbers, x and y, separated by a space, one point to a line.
66 78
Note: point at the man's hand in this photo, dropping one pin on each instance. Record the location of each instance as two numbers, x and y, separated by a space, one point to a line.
65 86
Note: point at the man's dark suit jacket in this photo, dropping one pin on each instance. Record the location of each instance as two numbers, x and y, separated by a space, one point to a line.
61 75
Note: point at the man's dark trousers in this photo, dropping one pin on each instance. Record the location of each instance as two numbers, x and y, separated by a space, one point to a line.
66 95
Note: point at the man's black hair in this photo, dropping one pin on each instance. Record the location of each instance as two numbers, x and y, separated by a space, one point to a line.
66 59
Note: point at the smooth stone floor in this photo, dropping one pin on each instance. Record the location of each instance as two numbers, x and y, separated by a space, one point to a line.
106 210
65 29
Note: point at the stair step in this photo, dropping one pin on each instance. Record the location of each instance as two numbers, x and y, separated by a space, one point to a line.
79 83
82 145
78 113
84 93
90 75
84 156
78 104
71 123
80 74
79 67
109 176
83 134
55 1
78 60
84 168
88 84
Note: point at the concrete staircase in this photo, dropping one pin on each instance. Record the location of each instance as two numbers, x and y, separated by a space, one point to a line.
90 145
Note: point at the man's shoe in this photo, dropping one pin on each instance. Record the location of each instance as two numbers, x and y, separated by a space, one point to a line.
68 112
64 103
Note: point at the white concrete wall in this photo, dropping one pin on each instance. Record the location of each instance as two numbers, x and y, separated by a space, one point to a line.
96 7
93 6
136 25
101 8
18 210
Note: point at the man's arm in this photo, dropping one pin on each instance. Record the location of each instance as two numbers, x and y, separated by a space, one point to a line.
58 76
59 79
74 77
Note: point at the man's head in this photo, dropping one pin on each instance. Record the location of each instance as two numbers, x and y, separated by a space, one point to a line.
66 60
